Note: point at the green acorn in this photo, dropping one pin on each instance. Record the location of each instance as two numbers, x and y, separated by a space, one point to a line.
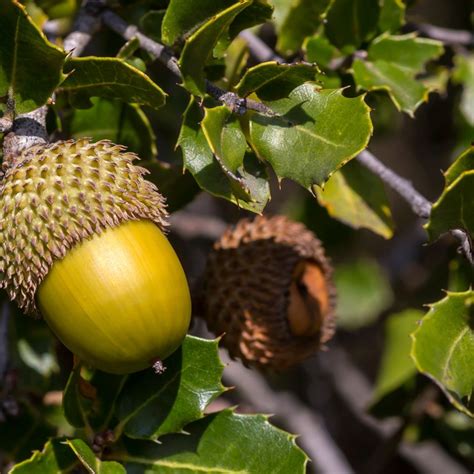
82 245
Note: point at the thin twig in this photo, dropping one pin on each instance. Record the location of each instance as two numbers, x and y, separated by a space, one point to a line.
237 104
259 49
314 437
445 35
418 203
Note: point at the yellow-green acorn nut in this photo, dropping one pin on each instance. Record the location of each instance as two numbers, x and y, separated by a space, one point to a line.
82 244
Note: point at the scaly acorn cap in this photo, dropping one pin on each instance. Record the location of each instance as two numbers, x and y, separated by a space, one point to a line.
268 289
55 196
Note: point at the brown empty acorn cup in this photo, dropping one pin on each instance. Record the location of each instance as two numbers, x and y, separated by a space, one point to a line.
268 288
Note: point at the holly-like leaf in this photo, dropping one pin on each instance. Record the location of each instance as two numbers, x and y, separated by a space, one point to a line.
55 457
396 366
297 20
311 137
118 122
151 24
351 22
88 459
271 81
464 74
198 48
443 348
455 207
363 293
223 442
319 50
357 197
392 64
112 78
392 15
151 406
30 66
199 159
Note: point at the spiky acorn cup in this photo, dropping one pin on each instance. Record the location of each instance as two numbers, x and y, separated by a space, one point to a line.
82 245
268 289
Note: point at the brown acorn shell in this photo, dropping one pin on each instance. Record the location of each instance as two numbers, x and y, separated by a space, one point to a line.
268 289
55 196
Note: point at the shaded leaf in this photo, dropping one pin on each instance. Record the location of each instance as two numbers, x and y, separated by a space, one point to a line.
393 62
463 73
118 122
443 347
351 22
151 406
455 207
198 47
30 66
88 459
112 78
199 159
55 457
311 138
392 15
357 197
363 293
223 442
151 23
271 81
297 20
319 50
396 366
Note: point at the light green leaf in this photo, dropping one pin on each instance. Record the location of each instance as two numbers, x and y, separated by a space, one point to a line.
271 81
363 293
55 458
312 137
151 406
301 18
93 465
224 442
199 159
319 50
357 197
198 48
118 122
111 78
392 15
351 22
30 66
455 207
396 366
443 348
463 73
392 64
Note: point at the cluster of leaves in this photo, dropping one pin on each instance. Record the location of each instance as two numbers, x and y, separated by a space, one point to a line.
335 50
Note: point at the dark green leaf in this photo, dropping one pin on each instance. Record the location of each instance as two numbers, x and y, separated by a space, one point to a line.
151 24
396 366
256 13
392 15
271 81
351 22
464 74
357 197
393 62
298 20
312 137
455 207
93 465
182 16
152 405
363 293
198 47
118 122
223 442
443 348
111 78
30 66
55 458
200 161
